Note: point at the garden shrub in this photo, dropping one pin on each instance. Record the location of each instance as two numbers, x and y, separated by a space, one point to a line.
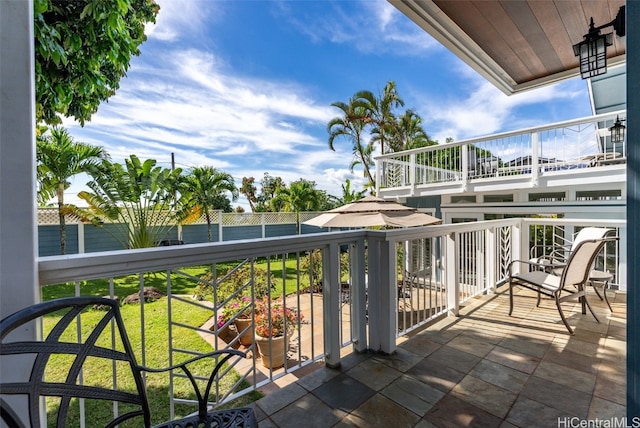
238 280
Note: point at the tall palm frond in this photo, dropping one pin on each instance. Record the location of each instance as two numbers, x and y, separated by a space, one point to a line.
408 133
350 125
300 196
59 157
378 112
138 199
202 188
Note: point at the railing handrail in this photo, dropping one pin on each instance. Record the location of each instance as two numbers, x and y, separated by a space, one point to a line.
530 130
396 235
58 269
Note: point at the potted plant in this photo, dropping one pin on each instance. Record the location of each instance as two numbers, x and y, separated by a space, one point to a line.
224 327
239 310
274 323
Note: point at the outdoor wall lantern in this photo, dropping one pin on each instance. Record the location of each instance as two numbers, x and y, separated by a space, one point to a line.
617 131
593 49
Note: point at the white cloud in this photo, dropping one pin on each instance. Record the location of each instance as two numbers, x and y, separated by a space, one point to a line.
178 19
206 108
485 110
378 28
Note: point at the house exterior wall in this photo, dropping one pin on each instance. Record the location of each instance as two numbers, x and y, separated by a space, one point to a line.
633 208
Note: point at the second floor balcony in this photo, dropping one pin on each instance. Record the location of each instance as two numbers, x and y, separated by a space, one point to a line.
570 153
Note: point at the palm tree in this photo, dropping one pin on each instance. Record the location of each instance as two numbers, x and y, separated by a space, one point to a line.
350 125
60 157
202 190
409 133
301 195
349 195
379 112
138 199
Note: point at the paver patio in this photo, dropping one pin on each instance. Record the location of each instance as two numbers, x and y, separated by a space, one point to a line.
483 368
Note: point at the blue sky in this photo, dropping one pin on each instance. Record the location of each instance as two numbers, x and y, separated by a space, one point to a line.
247 87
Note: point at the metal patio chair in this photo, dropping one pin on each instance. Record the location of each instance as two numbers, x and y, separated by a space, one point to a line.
571 281
62 345
555 260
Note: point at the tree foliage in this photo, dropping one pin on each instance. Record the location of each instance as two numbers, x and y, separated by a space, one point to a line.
379 113
269 188
59 157
202 191
301 195
350 195
139 198
350 125
408 133
249 190
374 117
82 50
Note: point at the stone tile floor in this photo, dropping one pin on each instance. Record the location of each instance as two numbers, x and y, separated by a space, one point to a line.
483 368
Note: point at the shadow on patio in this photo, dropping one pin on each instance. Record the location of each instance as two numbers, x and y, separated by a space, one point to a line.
483 368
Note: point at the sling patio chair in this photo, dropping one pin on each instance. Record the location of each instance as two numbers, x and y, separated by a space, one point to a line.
555 260
58 367
572 279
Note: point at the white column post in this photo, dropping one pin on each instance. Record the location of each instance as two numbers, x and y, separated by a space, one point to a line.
331 304
382 295
378 172
18 216
519 243
535 167
412 173
18 221
388 296
464 167
622 257
492 257
451 268
359 296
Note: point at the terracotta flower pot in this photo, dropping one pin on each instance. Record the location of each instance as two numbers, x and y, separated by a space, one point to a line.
272 350
226 333
244 326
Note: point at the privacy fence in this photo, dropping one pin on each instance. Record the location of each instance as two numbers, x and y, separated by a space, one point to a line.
87 238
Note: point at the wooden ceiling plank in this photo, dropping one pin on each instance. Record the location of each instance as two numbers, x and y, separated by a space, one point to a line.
476 20
536 39
574 19
551 23
496 48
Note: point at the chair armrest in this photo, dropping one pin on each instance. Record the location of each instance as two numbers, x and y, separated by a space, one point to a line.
536 264
202 398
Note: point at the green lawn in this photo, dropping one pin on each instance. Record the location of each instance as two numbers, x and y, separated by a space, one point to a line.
156 337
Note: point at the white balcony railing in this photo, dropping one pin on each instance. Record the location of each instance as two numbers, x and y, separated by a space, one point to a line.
359 289
524 156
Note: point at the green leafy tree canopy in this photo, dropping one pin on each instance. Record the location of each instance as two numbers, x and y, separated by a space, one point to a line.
82 50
